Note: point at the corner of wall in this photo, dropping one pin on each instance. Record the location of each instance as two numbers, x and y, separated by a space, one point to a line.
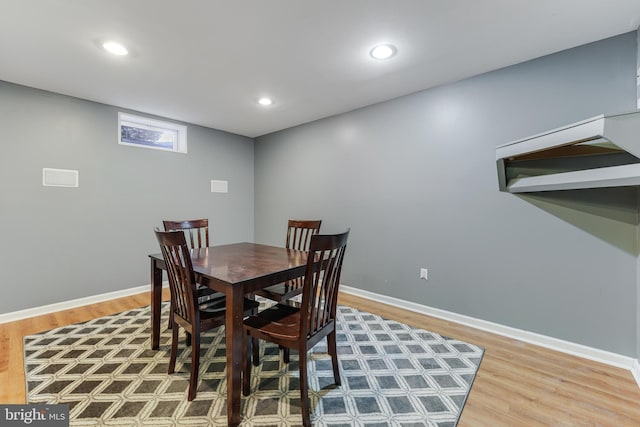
637 279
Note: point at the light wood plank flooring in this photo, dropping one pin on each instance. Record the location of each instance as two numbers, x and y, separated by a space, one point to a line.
518 384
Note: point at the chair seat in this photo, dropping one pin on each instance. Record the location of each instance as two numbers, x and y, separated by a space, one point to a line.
205 294
205 290
281 291
215 307
281 321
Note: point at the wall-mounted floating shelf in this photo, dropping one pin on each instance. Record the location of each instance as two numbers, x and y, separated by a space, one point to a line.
602 151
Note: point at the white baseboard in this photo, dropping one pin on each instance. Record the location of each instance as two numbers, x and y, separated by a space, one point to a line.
65 305
635 370
568 347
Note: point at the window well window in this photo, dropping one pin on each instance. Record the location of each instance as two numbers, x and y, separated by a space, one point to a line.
138 131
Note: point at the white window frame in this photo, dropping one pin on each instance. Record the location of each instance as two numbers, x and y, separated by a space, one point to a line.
175 135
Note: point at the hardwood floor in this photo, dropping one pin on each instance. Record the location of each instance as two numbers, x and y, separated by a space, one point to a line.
12 383
518 384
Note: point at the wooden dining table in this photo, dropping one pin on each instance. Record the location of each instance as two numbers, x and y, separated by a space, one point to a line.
234 270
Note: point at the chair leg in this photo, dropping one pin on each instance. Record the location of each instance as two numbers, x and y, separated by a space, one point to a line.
247 344
174 348
304 387
333 352
170 314
254 341
285 354
195 365
255 346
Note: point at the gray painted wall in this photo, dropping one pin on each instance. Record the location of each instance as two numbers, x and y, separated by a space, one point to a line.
62 243
415 179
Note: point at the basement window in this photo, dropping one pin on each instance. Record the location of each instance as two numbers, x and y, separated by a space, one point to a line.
138 131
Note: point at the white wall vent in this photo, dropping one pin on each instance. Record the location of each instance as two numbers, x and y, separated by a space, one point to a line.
59 177
219 186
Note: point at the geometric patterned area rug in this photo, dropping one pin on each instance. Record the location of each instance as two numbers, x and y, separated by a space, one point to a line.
392 375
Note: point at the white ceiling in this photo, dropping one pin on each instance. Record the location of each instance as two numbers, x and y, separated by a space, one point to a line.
208 61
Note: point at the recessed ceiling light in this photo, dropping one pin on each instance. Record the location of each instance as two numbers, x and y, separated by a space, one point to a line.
115 48
383 51
265 101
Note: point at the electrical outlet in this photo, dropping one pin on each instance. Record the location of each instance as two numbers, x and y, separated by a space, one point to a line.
424 273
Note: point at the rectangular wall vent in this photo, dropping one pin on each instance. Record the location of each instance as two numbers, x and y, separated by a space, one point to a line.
219 186
59 177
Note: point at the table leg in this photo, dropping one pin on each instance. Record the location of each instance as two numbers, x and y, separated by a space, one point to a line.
234 337
156 303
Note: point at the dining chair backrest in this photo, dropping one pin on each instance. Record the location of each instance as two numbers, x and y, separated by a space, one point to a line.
196 229
299 233
321 282
182 282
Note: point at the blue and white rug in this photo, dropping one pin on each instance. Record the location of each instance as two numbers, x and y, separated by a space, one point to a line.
392 375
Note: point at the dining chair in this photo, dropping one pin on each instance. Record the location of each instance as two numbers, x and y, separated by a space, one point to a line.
197 231
302 326
299 234
187 312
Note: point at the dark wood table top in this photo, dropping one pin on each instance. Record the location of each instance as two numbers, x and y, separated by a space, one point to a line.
244 263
